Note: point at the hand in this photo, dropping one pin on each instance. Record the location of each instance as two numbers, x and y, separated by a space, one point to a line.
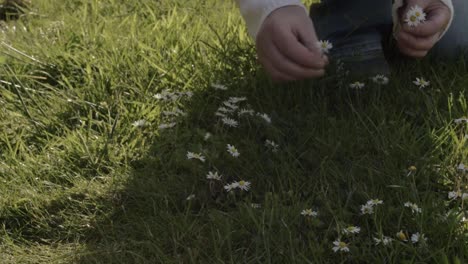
287 46
417 41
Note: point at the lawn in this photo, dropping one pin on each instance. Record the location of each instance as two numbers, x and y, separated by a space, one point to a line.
146 132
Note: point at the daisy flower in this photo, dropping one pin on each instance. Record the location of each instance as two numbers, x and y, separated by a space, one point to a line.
414 207
198 156
309 213
453 195
357 85
233 151
461 120
244 185
415 16
255 205
140 123
190 197
339 245
213 176
402 236
421 83
235 100
265 117
207 136
218 86
461 167
416 237
325 46
246 112
380 79
230 105
230 122
367 209
374 202
384 241
271 145
351 230
223 109
166 126
231 186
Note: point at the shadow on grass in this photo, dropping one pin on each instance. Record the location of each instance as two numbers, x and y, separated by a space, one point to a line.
338 147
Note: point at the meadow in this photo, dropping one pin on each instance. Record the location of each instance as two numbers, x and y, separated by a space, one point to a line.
146 132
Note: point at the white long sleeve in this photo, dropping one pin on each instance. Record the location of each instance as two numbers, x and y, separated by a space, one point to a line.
256 11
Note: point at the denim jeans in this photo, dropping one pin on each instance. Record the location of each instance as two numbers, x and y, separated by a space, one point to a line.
363 25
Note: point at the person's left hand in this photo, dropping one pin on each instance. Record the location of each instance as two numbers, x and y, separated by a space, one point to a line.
416 41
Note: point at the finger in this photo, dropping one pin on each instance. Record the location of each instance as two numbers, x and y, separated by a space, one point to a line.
412 52
276 62
290 46
416 43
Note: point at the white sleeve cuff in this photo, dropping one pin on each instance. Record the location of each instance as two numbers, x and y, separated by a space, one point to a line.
256 11
399 3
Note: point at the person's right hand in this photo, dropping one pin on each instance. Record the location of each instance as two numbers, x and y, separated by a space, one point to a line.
287 46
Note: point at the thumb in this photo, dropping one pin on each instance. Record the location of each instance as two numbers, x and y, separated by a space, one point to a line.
308 37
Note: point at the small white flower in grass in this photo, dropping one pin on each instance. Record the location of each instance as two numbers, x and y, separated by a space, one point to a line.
272 145
255 205
265 117
235 100
189 94
325 46
461 167
367 209
140 123
218 86
207 136
166 126
309 213
421 83
461 120
230 122
219 114
231 186
414 207
416 237
357 85
402 236
223 109
244 185
190 197
339 245
415 16
233 151
246 112
374 202
213 176
384 241
380 79
197 156
453 195
230 106
464 196
351 230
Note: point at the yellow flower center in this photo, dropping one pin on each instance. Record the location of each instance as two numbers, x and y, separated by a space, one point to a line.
412 168
413 18
417 14
242 183
343 245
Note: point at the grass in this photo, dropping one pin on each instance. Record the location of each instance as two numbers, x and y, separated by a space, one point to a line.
81 184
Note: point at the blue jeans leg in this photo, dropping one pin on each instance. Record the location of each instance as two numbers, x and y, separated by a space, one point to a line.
455 42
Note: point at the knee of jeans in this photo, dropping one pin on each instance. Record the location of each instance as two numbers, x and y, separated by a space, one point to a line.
450 50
